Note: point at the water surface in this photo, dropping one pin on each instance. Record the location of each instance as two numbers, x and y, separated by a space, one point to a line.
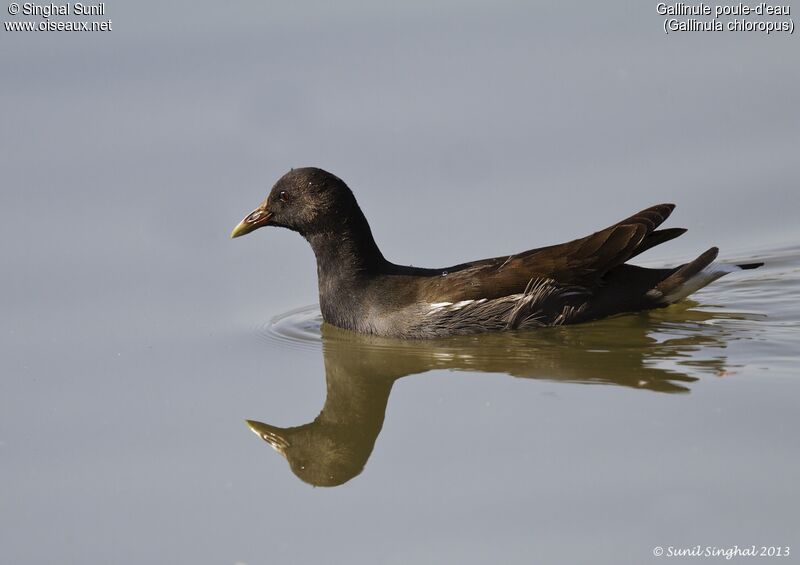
137 338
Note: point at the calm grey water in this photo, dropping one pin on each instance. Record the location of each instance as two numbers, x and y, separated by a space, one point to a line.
137 338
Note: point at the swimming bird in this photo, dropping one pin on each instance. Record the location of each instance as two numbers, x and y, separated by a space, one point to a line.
581 280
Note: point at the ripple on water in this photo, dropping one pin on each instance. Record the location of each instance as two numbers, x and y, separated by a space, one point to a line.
298 328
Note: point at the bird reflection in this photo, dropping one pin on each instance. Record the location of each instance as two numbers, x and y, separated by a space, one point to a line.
663 351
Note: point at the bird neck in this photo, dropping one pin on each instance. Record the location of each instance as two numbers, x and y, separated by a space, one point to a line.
347 250
348 259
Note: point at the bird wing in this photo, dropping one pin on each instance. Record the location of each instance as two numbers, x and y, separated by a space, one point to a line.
580 263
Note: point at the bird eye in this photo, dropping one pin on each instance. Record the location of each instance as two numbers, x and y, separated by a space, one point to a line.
283 196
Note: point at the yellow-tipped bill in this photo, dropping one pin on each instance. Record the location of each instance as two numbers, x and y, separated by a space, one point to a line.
256 219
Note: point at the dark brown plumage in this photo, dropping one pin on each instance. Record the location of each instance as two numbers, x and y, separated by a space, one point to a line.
580 280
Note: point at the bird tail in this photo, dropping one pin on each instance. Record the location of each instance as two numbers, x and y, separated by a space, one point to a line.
691 277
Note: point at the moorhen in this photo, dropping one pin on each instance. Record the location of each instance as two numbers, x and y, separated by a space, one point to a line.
577 281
